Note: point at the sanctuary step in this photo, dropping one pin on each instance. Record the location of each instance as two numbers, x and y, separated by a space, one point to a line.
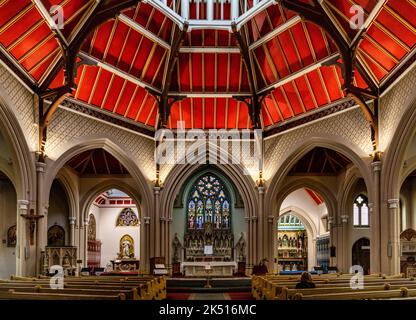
218 285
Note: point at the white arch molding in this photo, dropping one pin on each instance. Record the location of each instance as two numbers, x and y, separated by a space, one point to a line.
392 177
310 227
21 172
87 143
358 157
140 190
244 184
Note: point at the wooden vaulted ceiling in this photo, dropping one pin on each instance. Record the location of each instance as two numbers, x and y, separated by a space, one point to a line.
322 162
96 161
126 58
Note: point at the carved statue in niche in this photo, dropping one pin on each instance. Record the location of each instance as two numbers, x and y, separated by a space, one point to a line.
126 247
56 236
241 248
177 246
92 227
285 241
11 236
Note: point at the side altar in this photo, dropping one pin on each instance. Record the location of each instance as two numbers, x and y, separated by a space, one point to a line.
126 261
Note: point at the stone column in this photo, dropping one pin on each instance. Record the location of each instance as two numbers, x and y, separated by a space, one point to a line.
72 221
344 243
375 221
412 212
157 236
145 265
80 241
41 209
168 242
262 243
332 238
393 250
249 243
272 265
162 244
21 237
85 248
255 251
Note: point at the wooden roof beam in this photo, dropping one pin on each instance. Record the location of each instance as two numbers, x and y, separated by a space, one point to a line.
319 15
104 11
164 100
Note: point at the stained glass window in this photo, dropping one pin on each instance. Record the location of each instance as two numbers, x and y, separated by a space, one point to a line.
208 202
127 218
360 212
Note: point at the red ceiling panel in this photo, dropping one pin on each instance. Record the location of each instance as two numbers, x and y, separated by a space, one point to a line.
389 40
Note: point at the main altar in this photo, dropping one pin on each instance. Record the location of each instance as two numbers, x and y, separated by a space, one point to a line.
208 243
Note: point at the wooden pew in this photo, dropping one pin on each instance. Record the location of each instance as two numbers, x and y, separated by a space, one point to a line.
13 295
141 287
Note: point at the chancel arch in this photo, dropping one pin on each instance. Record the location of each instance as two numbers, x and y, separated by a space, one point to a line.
209 210
242 184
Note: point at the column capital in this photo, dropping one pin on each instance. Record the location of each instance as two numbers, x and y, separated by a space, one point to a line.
344 218
393 203
261 189
72 220
23 204
157 189
376 165
146 220
40 166
270 219
331 221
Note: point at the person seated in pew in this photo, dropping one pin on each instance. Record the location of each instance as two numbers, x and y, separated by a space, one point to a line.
306 281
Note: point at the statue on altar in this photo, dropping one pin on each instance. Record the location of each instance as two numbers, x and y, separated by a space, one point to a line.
126 247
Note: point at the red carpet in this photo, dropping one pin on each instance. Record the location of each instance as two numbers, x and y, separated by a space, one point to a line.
178 296
240 295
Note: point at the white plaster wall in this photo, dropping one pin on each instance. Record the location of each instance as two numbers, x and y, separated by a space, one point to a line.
110 235
301 199
8 214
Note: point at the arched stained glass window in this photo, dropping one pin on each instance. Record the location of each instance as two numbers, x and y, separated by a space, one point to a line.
127 218
361 212
208 202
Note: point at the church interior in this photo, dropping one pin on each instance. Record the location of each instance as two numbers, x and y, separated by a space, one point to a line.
207 149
